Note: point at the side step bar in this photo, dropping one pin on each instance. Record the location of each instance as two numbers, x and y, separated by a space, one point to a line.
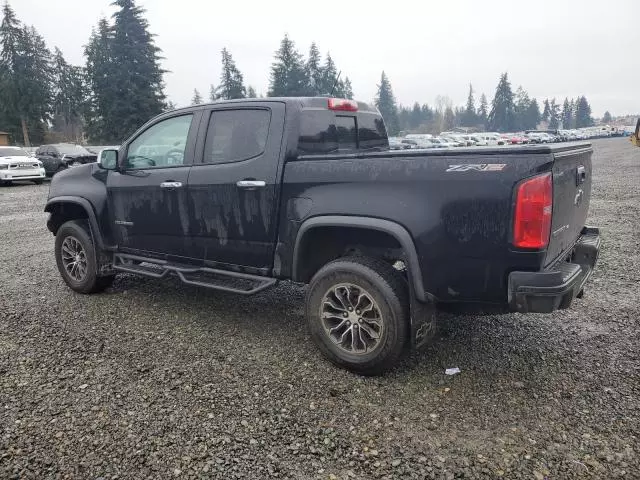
226 281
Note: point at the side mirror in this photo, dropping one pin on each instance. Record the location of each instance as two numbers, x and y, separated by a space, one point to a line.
108 159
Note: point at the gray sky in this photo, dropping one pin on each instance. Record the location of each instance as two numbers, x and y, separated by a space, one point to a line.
552 48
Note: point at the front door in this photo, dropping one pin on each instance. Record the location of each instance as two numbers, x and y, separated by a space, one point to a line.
148 194
233 186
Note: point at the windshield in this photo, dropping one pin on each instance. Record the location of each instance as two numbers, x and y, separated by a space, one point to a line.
12 152
72 150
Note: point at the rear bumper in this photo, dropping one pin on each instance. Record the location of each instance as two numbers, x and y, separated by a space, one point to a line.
555 288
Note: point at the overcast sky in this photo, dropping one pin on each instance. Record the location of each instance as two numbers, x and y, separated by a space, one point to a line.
552 48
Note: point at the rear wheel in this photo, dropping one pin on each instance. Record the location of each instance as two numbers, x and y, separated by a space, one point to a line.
76 258
357 309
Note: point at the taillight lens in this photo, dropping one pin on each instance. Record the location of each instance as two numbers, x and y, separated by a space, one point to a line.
342 105
532 219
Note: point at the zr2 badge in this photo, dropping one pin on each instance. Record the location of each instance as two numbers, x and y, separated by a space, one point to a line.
477 167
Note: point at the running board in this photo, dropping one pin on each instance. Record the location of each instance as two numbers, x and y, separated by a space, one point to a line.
226 281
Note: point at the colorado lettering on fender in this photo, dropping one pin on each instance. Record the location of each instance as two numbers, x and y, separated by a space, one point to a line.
477 167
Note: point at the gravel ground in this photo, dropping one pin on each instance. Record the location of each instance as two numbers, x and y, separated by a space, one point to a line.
158 380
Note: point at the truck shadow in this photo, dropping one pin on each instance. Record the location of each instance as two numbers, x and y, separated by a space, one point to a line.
493 345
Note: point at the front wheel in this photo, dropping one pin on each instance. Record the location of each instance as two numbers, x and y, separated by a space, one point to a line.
76 258
357 309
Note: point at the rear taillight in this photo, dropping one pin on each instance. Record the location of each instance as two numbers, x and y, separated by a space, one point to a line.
342 105
532 219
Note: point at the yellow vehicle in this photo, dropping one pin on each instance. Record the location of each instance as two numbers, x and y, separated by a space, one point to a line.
635 137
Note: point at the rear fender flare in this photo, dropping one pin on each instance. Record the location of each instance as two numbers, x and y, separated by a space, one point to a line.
394 229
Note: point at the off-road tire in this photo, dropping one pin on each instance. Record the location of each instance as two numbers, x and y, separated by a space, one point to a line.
92 282
388 289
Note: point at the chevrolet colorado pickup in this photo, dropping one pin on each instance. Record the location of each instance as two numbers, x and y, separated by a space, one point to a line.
240 194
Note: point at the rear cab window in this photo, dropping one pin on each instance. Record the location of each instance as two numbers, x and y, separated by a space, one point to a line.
324 131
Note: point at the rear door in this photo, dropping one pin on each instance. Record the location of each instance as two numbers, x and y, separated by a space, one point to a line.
233 186
571 194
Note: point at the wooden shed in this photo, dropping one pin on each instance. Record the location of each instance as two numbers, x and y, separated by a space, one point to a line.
4 139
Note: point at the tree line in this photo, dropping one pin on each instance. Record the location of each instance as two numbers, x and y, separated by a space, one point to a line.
121 86
508 112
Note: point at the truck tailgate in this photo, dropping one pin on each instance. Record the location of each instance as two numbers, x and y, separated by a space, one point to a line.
571 194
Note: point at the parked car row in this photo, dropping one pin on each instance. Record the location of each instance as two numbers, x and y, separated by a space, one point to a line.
484 139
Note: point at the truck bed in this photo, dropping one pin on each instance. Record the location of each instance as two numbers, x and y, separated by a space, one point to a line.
456 203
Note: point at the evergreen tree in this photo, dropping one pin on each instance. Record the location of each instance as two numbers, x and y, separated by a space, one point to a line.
572 108
483 111
314 71
469 117
415 118
554 115
501 116
547 111
606 118
135 75
521 109
386 103
288 76
213 93
25 80
533 115
329 78
100 89
69 97
583 113
251 92
347 90
231 80
197 98
567 114
170 106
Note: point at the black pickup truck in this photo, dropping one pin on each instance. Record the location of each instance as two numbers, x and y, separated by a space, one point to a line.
237 195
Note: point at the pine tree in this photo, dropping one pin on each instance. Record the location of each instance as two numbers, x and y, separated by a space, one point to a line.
288 77
231 80
483 111
533 115
583 113
501 117
606 118
386 103
213 93
251 92
567 114
415 117
329 78
197 98
554 115
136 75
521 109
469 118
547 111
347 90
100 89
69 97
25 80
314 72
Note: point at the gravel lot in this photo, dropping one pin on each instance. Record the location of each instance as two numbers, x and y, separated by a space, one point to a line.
159 380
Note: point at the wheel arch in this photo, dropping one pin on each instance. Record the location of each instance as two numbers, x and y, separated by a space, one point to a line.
380 226
63 209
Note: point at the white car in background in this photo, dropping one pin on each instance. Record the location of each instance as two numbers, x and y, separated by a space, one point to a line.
16 164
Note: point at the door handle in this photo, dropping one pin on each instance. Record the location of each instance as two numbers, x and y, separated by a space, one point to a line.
251 184
170 184
581 175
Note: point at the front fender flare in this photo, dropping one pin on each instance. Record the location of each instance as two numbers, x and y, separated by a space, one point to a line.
86 205
394 229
